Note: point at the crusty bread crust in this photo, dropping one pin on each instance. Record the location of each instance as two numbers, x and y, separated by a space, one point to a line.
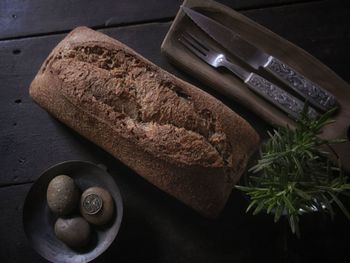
173 134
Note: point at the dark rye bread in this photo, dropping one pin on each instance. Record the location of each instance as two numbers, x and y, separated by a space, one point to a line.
173 134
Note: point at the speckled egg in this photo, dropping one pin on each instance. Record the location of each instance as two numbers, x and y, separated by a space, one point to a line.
97 206
62 195
74 232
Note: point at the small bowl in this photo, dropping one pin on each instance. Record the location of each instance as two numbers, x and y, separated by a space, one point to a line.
39 222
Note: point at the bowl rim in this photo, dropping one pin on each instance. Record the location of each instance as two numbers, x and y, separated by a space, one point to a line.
118 206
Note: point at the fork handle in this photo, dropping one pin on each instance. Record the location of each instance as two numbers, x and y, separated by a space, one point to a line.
300 84
277 96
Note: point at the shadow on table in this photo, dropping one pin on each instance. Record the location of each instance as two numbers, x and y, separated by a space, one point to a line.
158 228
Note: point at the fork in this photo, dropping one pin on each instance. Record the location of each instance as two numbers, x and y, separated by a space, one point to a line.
286 102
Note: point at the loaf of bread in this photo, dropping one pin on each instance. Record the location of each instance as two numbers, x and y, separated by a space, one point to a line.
173 134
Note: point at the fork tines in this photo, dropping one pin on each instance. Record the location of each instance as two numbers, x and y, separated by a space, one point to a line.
194 44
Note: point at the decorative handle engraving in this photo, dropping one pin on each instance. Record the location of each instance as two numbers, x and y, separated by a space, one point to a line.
304 87
277 96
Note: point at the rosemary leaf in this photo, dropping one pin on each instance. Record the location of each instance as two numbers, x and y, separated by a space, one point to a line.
294 174
340 204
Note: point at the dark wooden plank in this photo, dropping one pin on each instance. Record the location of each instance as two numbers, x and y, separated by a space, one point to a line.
31 140
19 17
23 18
157 228
12 237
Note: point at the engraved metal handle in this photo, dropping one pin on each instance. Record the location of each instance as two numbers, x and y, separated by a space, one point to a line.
304 87
277 96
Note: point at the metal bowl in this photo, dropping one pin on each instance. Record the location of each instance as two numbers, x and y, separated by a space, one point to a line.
39 222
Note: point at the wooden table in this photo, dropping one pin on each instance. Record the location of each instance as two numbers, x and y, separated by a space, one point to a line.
156 227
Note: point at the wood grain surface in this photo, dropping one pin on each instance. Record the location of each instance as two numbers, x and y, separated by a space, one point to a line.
156 228
24 18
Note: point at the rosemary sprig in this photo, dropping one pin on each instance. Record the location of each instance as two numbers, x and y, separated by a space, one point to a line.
294 174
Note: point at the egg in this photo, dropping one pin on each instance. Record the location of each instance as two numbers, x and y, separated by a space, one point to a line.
75 232
62 195
97 206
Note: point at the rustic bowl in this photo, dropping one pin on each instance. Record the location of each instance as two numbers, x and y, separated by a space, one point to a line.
39 222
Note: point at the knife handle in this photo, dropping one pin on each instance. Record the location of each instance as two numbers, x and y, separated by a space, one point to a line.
300 84
277 96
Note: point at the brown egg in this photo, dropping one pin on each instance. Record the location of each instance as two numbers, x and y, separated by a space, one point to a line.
62 195
74 232
97 206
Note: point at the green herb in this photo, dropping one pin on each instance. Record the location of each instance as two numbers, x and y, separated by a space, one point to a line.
295 174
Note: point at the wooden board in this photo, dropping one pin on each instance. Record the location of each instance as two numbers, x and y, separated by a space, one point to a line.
157 228
265 39
31 140
23 18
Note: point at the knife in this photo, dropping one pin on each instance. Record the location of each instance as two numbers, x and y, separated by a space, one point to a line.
257 58
286 102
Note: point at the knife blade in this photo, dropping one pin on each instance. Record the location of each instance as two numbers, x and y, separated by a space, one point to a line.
257 58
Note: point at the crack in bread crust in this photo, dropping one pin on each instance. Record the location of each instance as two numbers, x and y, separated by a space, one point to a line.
130 92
